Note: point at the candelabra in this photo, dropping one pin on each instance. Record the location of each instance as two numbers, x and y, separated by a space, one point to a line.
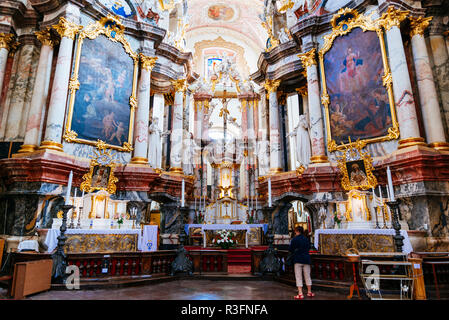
376 210
78 225
270 263
398 238
383 218
182 263
59 257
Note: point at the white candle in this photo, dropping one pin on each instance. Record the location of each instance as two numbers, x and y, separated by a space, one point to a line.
195 201
390 183
69 186
182 193
388 193
269 192
380 195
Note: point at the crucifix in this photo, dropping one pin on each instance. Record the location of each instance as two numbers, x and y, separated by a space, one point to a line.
224 112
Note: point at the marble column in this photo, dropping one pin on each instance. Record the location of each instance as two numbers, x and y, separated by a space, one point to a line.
143 110
275 137
40 91
315 113
177 130
158 113
432 118
6 39
19 96
58 100
402 87
440 57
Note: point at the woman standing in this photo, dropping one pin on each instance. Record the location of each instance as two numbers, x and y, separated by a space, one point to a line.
300 247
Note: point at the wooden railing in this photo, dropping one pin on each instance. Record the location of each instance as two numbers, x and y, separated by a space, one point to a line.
97 265
209 261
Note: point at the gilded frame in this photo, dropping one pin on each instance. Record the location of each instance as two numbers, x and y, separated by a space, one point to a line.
104 159
353 150
111 27
341 27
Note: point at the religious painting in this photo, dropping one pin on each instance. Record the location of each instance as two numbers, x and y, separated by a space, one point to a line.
357 99
220 12
211 64
101 107
122 8
356 172
356 167
100 176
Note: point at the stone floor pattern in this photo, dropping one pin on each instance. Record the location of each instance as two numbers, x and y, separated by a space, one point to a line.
188 290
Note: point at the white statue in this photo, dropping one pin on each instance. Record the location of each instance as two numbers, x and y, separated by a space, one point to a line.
303 148
283 36
154 144
322 213
190 154
263 156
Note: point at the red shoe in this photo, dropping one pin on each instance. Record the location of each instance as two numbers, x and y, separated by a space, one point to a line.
311 294
299 297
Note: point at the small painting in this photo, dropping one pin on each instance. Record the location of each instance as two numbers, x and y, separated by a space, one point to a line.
359 106
100 177
356 173
102 107
220 12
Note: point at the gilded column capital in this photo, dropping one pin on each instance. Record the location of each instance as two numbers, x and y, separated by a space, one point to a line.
6 40
67 28
392 18
148 63
302 91
179 85
418 25
271 85
44 36
308 58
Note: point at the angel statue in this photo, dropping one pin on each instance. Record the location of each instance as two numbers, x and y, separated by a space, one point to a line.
283 36
302 139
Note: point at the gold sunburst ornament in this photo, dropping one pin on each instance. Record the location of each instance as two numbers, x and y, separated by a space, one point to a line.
101 171
356 167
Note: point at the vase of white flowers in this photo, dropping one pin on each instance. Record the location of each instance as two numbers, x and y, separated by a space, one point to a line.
224 239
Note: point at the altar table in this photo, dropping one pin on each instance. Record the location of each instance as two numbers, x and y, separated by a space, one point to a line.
103 240
337 241
245 227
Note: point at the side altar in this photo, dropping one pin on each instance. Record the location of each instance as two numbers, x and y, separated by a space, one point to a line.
97 223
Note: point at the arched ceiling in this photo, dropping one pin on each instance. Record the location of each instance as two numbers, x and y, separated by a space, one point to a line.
236 22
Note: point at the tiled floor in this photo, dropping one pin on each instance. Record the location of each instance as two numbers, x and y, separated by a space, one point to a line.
188 290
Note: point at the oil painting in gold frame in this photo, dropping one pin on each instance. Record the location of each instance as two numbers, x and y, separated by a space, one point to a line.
375 116
105 96
101 171
356 167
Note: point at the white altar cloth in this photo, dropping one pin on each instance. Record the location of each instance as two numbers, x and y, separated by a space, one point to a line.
407 248
226 227
27 245
52 235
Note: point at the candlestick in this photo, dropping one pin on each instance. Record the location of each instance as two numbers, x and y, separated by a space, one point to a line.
390 183
69 186
269 192
182 193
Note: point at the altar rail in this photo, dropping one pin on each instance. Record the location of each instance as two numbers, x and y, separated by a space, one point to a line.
95 265
209 261
436 274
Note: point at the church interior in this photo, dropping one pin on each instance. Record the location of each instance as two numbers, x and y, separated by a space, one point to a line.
155 142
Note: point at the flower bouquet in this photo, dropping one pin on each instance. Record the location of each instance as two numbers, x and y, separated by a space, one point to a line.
224 239
338 218
120 221
251 217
